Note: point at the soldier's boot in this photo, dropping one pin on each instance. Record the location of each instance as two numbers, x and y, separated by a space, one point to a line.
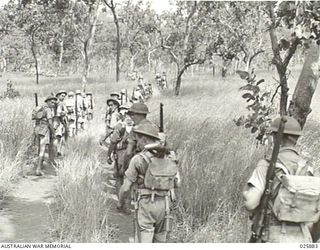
39 166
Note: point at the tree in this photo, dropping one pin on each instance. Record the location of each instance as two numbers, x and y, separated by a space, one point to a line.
112 6
85 15
184 36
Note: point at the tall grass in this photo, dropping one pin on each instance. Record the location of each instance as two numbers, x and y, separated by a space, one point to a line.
216 158
16 150
79 213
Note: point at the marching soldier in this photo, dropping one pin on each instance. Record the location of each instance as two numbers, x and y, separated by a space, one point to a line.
292 221
112 118
89 98
118 142
71 115
154 191
79 110
44 130
138 113
60 122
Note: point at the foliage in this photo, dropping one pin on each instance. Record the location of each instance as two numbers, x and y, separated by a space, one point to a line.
260 105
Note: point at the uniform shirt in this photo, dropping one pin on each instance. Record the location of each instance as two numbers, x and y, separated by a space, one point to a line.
288 162
70 104
114 119
61 109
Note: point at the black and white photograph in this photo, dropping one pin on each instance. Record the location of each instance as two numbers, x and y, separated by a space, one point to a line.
159 121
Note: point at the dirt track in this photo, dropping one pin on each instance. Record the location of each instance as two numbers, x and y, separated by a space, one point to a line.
24 214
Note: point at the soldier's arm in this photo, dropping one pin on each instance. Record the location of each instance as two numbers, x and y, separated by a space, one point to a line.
124 189
315 232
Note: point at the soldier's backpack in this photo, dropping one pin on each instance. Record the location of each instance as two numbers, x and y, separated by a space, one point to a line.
298 198
161 173
37 113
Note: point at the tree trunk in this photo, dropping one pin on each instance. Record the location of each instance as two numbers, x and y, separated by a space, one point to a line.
306 86
93 17
34 54
118 51
61 53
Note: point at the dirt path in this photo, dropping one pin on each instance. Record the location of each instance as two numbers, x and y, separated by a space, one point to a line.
24 214
123 223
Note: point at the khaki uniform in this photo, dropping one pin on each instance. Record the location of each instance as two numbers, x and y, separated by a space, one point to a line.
150 214
42 130
70 105
119 137
287 232
60 115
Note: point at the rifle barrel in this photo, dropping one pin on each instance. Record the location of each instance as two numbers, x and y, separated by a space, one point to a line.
36 99
161 118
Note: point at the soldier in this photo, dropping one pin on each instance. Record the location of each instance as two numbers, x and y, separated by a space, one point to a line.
112 118
138 113
80 112
71 115
137 94
60 122
45 130
89 98
288 163
118 142
158 80
124 98
164 84
154 191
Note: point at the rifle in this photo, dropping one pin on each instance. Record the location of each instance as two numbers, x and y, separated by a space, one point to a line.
260 226
121 94
36 99
161 129
126 95
134 200
91 104
76 113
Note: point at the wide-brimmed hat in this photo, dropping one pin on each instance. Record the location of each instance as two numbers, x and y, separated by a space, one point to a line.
138 108
78 91
112 100
70 93
291 126
89 93
61 92
115 94
51 97
148 130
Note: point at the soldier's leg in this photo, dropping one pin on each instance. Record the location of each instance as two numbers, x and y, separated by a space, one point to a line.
145 221
42 149
160 233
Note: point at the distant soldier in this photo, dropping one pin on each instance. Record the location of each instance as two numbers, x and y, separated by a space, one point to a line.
138 113
164 80
71 116
89 98
112 118
80 113
123 97
60 122
44 129
154 172
137 94
158 80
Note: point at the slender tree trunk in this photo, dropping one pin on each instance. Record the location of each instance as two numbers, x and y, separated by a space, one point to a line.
34 54
61 44
300 105
118 50
93 16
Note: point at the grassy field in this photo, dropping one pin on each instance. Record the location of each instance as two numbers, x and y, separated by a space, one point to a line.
216 156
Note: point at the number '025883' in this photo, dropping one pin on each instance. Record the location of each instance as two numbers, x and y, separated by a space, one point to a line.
313 245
